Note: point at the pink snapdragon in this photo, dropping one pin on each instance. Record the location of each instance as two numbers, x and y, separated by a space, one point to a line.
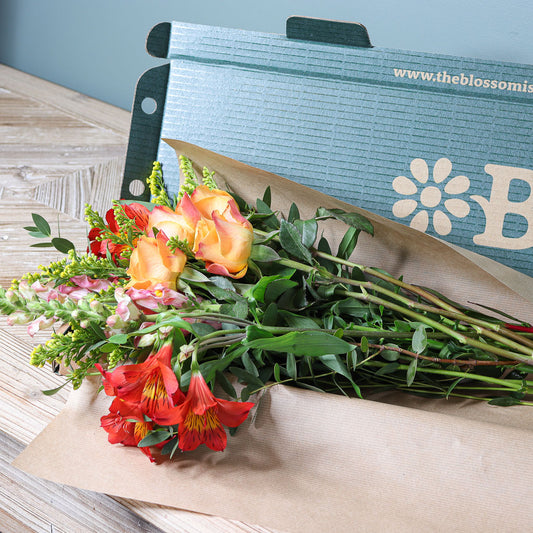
126 311
83 286
39 324
152 299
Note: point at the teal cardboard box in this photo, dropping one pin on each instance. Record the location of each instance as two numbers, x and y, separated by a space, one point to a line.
442 144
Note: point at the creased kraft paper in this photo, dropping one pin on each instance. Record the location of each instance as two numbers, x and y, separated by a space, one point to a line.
306 461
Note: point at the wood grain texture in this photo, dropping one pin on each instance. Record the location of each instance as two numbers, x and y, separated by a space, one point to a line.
58 150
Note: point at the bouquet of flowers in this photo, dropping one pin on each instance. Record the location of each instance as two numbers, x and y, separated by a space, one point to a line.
179 301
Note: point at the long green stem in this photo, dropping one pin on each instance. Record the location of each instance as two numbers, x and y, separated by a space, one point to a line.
477 325
407 310
463 339
445 308
507 383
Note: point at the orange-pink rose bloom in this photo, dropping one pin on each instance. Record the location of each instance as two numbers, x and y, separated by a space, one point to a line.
153 263
180 223
224 242
207 200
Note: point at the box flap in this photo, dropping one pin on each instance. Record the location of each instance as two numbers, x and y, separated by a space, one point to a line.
440 143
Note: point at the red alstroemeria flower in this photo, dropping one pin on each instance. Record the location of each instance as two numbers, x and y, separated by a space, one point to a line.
100 247
150 386
201 416
138 212
125 425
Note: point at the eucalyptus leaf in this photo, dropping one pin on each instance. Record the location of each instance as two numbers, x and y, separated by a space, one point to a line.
263 208
226 385
237 309
42 245
389 368
348 243
263 254
355 220
248 364
277 373
190 274
504 401
294 213
41 224
390 355
267 196
420 339
299 321
222 282
276 288
291 366
201 328
171 447
411 372
37 235
246 377
154 437
308 230
62 245
291 241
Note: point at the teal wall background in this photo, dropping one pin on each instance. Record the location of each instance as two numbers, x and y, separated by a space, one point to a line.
97 47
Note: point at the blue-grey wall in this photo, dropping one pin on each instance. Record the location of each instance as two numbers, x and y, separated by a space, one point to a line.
97 47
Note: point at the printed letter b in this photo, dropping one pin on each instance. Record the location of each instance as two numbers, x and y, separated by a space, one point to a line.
499 205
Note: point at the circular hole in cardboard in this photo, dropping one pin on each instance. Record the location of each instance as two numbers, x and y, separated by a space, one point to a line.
149 105
136 187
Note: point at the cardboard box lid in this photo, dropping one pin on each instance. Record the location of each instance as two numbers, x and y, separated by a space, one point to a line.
441 143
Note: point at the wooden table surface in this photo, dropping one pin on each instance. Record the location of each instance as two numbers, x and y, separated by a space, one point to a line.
58 150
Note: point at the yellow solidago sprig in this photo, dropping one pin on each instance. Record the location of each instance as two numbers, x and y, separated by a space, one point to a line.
209 179
157 187
190 179
93 267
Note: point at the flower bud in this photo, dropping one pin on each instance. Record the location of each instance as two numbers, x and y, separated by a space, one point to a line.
11 296
186 350
146 340
18 317
96 306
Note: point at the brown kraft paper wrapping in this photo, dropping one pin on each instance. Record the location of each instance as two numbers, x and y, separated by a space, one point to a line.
306 461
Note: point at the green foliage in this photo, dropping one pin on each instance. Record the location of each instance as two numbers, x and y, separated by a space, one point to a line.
42 230
301 316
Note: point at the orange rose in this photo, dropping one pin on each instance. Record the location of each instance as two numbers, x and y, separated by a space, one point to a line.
152 263
180 223
208 200
225 242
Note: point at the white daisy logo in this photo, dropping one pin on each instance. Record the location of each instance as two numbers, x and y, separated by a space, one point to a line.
429 199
